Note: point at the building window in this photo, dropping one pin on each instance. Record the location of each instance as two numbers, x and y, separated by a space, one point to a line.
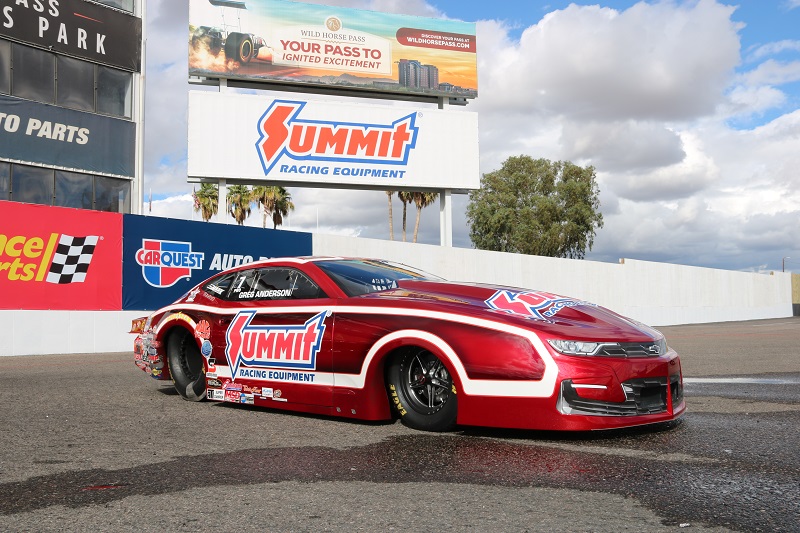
34 74
32 185
5 181
5 67
112 195
125 5
36 185
74 190
75 83
113 92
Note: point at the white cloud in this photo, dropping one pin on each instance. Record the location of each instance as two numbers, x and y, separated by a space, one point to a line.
775 48
652 61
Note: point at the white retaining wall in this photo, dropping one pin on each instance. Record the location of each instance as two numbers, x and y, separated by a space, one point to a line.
654 293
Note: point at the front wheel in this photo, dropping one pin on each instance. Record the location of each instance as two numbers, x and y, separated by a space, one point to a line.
186 366
422 391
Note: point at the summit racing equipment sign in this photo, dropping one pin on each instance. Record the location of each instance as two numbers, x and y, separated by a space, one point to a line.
59 258
272 346
322 143
284 134
166 262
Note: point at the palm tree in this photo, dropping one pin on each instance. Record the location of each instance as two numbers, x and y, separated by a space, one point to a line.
206 200
283 204
391 221
264 196
405 197
422 200
239 202
274 201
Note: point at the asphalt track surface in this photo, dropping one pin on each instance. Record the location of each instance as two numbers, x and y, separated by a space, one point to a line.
89 442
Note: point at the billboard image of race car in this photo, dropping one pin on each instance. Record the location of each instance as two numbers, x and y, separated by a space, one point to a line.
371 340
238 45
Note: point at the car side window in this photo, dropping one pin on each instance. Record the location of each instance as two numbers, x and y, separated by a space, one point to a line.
286 284
243 285
218 287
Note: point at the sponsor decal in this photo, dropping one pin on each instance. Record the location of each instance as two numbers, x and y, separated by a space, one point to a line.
216 394
285 136
58 258
203 330
213 383
177 316
275 375
531 304
273 346
266 392
246 398
164 263
206 348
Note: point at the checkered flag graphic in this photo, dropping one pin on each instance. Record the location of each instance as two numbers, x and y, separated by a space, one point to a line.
72 258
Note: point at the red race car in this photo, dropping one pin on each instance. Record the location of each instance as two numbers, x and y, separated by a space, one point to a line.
371 339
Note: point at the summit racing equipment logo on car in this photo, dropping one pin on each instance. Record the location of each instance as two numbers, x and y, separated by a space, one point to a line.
58 258
282 133
273 346
166 262
531 304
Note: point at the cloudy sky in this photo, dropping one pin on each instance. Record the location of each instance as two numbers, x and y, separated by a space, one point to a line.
689 111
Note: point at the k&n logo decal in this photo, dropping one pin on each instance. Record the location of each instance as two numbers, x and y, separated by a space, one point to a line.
531 304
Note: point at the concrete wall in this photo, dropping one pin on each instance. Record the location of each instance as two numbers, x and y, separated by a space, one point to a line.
654 293
48 332
796 294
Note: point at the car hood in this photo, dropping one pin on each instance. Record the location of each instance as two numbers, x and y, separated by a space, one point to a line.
555 315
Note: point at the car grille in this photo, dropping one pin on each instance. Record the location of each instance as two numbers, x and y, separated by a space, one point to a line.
630 349
643 396
676 390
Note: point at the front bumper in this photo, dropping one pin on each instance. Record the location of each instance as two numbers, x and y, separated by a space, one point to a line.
643 396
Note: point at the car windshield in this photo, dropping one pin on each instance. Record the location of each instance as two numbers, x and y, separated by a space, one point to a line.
360 276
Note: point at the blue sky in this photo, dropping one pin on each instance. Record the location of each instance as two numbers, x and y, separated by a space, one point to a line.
688 109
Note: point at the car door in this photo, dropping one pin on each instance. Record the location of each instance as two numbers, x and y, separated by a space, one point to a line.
278 342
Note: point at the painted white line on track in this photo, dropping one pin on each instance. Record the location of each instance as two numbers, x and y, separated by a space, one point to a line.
747 381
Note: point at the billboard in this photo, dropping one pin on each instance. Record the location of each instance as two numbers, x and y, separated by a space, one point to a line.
59 258
77 28
291 42
322 143
164 258
52 135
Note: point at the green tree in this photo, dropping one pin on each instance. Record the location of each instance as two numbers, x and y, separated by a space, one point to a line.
537 207
275 202
283 204
206 200
239 198
422 200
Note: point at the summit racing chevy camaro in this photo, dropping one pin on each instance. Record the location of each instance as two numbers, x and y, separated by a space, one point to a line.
371 340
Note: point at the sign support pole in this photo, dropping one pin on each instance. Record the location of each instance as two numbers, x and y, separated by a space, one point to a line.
445 203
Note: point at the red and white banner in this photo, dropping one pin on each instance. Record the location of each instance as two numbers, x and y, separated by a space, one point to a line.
59 258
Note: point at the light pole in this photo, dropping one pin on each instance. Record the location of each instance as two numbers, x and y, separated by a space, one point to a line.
783 264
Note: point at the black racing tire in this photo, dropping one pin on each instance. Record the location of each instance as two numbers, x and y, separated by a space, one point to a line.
422 391
239 47
186 365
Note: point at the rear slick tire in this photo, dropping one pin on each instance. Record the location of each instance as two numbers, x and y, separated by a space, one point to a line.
186 366
422 391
